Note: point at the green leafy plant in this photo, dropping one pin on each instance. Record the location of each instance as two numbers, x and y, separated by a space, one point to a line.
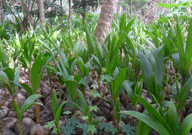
88 113
164 124
183 57
115 85
84 70
152 67
180 94
27 104
133 94
105 79
56 110
27 48
9 76
128 129
107 128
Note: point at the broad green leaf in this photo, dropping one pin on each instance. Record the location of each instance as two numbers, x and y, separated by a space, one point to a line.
153 123
188 52
123 22
16 75
97 60
154 114
4 78
29 102
128 27
90 43
64 59
180 46
186 125
5 59
152 46
172 118
10 73
27 88
71 86
58 112
185 91
129 90
147 72
119 80
35 73
80 64
143 128
55 104
83 102
166 5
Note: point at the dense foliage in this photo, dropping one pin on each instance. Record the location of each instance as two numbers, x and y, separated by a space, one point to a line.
135 60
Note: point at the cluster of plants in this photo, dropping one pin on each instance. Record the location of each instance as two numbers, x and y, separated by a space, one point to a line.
75 57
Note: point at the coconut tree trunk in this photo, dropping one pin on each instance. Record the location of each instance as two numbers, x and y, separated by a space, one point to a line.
61 5
84 10
131 9
117 11
1 12
42 14
105 19
70 14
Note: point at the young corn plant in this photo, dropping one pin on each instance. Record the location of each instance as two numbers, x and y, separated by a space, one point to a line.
27 104
56 110
167 124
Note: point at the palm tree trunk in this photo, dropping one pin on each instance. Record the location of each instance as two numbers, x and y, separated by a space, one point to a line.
84 11
61 5
42 14
1 12
105 19
70 14
131 9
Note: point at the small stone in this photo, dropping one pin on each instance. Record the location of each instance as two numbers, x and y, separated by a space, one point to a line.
138 108
189 111
37 129
188 103
20 99
7 132
3 112
9 122
25 125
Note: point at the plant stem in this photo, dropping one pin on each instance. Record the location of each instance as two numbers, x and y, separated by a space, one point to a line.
20 129
103 96
58 131
181 116
37 112
116 124
25 75
132 121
